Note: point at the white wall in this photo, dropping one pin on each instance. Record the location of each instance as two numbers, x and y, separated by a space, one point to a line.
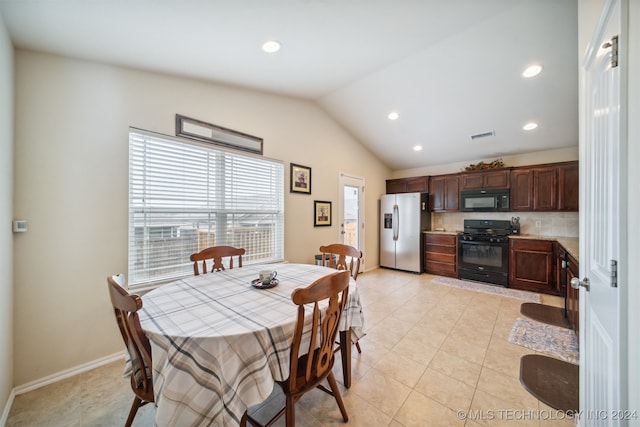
71 166
6 215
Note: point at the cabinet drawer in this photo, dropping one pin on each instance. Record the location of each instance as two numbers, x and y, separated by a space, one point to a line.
532 245
440 257
440 239
429 248
441 268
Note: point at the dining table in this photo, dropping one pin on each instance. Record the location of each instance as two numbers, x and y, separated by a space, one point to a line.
219 343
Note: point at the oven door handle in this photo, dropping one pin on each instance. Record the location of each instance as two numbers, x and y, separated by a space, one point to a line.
476 242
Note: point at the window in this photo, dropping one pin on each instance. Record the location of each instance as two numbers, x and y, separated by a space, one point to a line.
185 196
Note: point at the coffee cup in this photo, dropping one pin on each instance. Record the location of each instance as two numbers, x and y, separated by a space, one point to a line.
266 276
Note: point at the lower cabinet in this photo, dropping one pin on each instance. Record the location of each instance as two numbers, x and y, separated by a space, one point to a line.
440 252
532 265
573 295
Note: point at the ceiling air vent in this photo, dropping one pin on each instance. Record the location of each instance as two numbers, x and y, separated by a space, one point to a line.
483 135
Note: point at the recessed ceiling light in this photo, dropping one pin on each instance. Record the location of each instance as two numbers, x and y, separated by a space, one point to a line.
272 46
530 126
417 148
393 115
532 71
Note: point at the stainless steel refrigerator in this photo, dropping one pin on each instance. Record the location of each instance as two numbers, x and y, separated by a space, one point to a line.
403 217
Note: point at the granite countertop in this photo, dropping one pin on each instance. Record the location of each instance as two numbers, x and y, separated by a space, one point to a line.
448 232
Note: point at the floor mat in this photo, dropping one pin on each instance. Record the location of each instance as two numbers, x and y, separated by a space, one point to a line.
545 314
554 341
550 380
488 289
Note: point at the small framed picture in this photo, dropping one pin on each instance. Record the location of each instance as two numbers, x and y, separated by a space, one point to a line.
300 177
321 213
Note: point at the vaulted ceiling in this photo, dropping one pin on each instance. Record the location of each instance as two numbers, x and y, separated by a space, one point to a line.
449 69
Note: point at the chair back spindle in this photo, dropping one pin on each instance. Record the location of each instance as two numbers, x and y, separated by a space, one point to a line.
216 254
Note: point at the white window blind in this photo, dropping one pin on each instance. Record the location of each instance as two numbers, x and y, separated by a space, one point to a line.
186 196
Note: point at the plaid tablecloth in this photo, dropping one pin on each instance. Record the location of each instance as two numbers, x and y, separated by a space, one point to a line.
218 344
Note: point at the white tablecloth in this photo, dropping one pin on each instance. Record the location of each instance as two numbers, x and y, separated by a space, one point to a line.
218 343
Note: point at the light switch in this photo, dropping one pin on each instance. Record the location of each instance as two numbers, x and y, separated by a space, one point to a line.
19 226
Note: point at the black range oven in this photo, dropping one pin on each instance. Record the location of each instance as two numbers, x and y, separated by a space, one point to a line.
483 251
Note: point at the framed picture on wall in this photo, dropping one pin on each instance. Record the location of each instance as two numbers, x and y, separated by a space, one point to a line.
321 213
300 177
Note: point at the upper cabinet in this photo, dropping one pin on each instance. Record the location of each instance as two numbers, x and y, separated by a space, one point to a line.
549 187
568 188
485 179
418 184
521 189
444 193
552 187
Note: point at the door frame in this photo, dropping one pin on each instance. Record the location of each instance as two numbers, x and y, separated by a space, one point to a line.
350 179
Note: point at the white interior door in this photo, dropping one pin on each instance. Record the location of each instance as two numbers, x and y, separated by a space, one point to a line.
351 212
601 217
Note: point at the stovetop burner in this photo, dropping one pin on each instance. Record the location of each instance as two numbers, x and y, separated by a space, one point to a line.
486 229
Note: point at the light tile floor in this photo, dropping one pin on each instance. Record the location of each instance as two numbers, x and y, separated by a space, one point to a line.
433 356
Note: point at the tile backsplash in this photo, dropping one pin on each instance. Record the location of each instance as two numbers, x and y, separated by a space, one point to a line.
557 224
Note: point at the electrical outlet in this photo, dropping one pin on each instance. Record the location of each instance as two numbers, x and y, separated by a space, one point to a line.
538 223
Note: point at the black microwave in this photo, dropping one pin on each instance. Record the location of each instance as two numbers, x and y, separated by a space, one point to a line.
484 200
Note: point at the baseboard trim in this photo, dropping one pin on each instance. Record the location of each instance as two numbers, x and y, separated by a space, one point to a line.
67 373
7 408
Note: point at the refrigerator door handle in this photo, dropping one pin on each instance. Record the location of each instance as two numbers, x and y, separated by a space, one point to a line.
395 222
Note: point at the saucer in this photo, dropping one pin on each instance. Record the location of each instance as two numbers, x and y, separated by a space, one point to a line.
256 283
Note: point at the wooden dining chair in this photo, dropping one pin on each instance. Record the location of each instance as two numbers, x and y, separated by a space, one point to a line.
216 254
125 307
311 365
335 256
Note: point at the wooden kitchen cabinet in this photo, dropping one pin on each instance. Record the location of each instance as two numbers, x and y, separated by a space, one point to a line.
572 299
567 269
545 189
418 184
440 254
444 193
521 193
561 261
550 187
534 189
568 190
485 179
532 265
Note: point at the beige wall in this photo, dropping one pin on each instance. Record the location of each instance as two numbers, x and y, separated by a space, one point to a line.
524 159
72 121
6 215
